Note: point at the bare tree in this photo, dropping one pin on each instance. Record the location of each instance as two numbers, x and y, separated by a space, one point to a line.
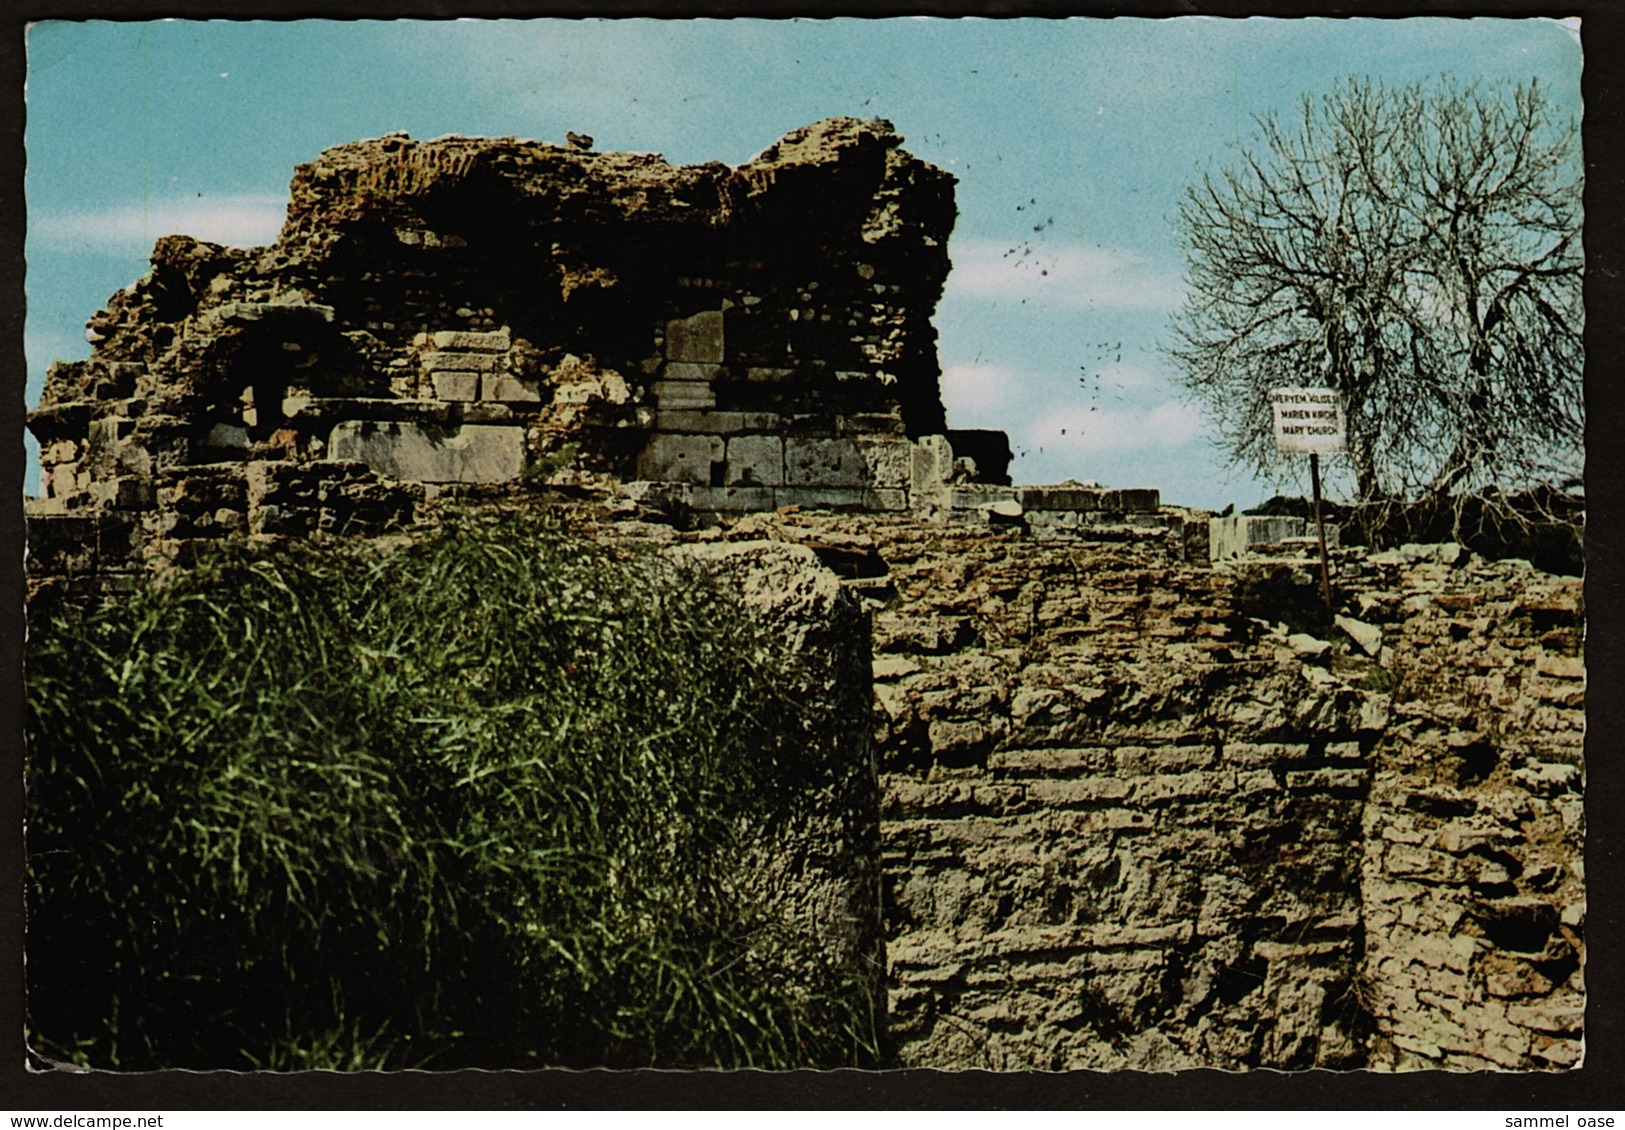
1416 249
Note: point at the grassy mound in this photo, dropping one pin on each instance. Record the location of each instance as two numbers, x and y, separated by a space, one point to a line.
482 800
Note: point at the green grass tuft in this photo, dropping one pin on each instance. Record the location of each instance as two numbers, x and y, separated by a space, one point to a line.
480 800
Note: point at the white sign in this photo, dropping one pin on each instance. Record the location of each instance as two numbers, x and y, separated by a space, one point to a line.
1308 420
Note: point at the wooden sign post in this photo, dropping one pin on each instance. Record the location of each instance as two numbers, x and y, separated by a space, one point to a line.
1310 420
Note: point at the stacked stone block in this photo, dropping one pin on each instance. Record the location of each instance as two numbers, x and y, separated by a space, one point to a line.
1236 536
808 451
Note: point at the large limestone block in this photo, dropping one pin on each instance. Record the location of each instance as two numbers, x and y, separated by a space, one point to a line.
680 459
1064 497
835 461
471 341
457 386
931 470
889 460
1074 497
841 498
733 500
756 460
427 453
461 361
683 395
697 338
1235 535
1136 500
704 421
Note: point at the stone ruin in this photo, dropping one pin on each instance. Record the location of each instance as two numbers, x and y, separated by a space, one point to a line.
1114 812
470 311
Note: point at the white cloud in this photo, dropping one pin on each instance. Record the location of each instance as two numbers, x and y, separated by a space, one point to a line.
977 390
1082 431
1072 276
238 221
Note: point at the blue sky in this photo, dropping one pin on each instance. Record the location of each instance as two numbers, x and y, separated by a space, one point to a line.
1072 141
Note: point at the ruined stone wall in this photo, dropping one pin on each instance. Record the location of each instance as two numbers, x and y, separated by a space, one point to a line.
1473 873
1131 815
1131 819
472 311
1121 820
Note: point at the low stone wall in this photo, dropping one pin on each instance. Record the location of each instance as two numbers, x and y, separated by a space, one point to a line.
1135 815
1473 872
1089 759
1235 536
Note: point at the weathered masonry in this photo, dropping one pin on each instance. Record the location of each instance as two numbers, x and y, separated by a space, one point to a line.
1131 820
468 311
473 311
1133 810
